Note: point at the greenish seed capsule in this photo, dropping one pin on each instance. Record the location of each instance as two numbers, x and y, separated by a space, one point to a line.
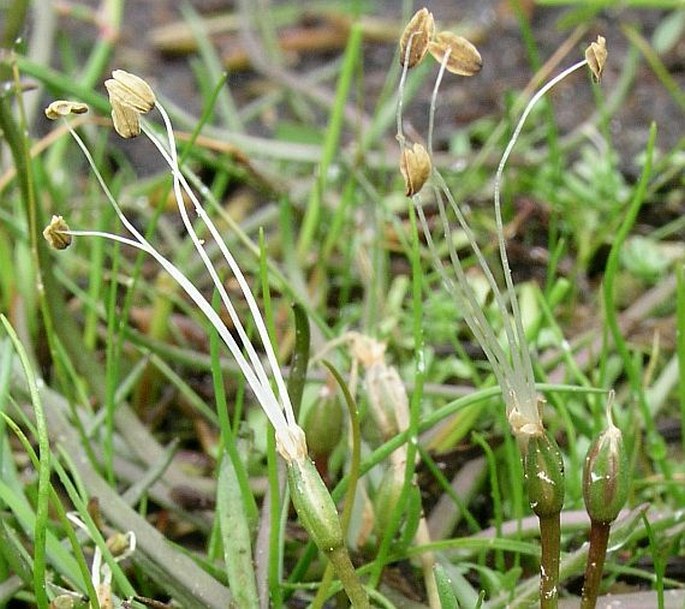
386 499
323 425
544 468
388 401
606 476
314 505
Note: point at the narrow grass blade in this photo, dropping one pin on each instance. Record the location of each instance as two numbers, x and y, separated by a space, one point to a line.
235 537
447 598
312 216
41 521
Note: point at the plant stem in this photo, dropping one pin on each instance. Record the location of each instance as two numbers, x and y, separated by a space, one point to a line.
599 537
550 532
340 559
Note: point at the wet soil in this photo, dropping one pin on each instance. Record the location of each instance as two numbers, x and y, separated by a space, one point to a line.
507 66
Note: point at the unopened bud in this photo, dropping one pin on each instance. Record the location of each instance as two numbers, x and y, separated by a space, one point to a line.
68 600
314 505
606 475
56 233
596 56
323 424
119 543
464 58
416 167
544 469
61 108
416 37
388 496
388 401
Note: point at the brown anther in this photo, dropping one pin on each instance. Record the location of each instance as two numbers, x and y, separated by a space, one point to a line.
416 167
55 234
596 56
464 59
126 121
417 35
129 90
62 107
130 97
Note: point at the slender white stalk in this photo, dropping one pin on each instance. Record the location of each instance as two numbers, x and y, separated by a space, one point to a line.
260 325
434 101
519 347
288 433
486 333
514 371
470 308
400 91
105 189
262 392
237 322
482 329
488 336
482 262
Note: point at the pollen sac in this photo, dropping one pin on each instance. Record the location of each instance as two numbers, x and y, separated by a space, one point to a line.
126 121
416 38
62 107
129 90
606 476
596 56
130 96
463 59
55 234
416 167
544 469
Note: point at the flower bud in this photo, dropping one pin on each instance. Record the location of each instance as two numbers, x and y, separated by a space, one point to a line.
606 476
416 167
314 505
464 58
55 233
544 470
120 544
323 424
417 35
386 498
388 401
596 56
69 600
